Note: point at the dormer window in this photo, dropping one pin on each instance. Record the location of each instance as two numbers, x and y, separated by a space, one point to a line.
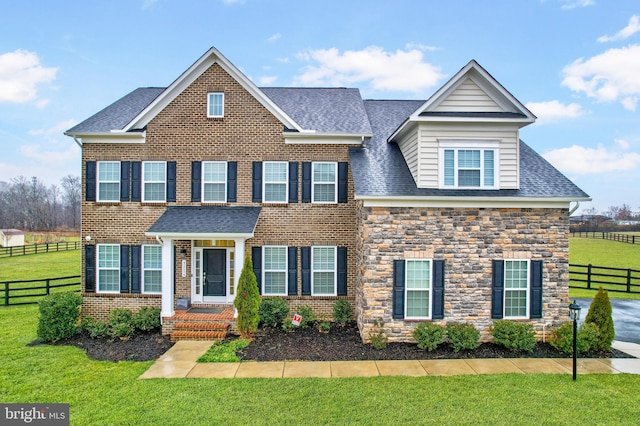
468 164
215 105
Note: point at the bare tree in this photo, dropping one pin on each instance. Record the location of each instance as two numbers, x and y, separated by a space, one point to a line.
72 192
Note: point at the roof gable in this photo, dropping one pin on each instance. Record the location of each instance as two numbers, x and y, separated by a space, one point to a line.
212 56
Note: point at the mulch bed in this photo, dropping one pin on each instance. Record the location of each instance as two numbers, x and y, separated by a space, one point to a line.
341 344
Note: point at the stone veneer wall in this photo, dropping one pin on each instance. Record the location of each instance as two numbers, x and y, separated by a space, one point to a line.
468 239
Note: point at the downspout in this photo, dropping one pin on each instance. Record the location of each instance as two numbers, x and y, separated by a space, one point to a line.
77 141
159 240
575 208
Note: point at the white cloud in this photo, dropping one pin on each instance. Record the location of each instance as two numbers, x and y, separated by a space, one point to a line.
632 27
20 75
610 76
580 160
267 80
54 131
622 143
275 37
572 4
551 111
146 4
402 70
419 46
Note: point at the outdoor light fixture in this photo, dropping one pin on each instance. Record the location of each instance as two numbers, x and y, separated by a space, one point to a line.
574 314
183 253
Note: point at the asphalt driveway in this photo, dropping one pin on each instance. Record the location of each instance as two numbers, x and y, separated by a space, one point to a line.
626 318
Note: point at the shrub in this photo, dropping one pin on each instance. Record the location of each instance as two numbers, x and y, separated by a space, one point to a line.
147 319
95 328
273 311
429 335
516 336
287 325
562 338
308 316
462 336
378 336
59 315
121 321
247 301
324 325
342 313
600 316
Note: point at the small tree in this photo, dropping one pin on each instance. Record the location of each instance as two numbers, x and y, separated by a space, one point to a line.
600 316
247 301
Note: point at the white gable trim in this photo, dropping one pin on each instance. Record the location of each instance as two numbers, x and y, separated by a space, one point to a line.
212 56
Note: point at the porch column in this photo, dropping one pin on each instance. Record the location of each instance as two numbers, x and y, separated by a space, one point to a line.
167 278
239 263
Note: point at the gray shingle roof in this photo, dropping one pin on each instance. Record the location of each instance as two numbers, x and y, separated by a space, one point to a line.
207 220
327 110
120 113
379 169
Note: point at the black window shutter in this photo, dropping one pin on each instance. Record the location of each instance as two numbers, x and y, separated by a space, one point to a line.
306 182
292 273
256 259
256 188
305 259
293 182
125 181
89 268
232 181
171 181
398 289
535 308
196 173
124 269
437 308
343 178
136 266
497 290
136 181
342 271
90 181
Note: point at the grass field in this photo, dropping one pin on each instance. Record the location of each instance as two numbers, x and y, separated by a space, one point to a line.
104 393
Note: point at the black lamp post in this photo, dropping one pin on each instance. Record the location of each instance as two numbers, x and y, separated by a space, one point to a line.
574 314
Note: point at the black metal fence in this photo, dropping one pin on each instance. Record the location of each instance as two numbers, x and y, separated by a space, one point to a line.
31 291
592 277
39 248
613 236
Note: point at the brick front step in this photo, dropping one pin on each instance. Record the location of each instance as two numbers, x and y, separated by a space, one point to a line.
202 326
197 335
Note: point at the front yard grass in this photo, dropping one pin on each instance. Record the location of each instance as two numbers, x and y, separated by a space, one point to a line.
105 393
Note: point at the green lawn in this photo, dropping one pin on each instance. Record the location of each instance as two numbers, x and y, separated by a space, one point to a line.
104 393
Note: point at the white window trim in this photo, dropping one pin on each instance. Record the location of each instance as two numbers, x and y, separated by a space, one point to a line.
98 268
143 269
164 193
430 290
334 270
481 145
285 270
313 183
264 182
98 181
528 290
209 104
225 183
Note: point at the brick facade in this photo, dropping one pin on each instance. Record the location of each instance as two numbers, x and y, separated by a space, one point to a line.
467 240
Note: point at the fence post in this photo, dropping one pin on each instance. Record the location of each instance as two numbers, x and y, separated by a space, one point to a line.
628 280
47 285
589 276
6 294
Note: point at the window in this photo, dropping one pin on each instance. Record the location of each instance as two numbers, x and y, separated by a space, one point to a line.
275 181
108 181
214 181
275 270
151 269
323 271
215 105
108 268
324 183
418 289
154 178
516 288
468 163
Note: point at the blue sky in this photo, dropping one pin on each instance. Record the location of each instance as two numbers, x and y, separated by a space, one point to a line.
574 63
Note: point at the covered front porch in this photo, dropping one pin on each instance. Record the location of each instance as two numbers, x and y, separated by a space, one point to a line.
203 251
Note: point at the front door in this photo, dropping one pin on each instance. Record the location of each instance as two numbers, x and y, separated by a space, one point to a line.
214 272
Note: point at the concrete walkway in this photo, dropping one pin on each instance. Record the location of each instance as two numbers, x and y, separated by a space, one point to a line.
180 362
